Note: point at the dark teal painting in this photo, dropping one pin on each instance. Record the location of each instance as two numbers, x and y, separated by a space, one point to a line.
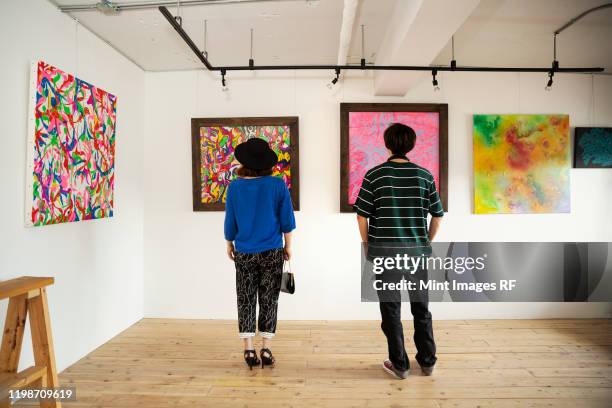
593 147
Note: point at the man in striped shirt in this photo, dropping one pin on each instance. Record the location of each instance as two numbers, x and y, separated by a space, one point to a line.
396 197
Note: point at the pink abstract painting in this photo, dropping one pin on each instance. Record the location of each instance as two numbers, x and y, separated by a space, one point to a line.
367 147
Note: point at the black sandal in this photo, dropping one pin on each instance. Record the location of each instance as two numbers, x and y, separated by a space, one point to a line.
250 357
266 360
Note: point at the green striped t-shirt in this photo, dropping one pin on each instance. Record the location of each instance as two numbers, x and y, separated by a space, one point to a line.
396 197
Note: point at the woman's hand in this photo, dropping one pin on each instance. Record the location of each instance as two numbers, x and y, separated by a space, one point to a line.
287 249
230 250
287 253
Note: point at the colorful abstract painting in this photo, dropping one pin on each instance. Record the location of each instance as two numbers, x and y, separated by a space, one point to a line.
71 165
593 147
521 164
217 145
365 147
215 166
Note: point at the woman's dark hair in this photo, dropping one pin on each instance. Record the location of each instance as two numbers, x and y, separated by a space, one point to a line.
247 172
399 139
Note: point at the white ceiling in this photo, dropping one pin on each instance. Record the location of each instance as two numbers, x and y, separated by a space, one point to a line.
498 33
285 32
520 33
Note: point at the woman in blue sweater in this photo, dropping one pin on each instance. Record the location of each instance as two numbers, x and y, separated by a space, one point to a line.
258 213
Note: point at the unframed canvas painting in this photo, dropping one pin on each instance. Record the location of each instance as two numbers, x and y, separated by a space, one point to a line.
363 126
214 165
71 149
521 164
593 147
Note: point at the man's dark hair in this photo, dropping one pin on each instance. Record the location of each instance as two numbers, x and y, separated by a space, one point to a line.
399 139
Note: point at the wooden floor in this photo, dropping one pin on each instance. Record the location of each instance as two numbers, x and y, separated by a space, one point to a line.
486 363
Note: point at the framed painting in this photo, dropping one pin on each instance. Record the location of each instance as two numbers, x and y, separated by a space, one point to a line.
593 147
71 149
521 164
213 141
362 146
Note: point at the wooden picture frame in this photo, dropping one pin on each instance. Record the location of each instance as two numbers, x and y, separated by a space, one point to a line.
292 122
593 137
347 108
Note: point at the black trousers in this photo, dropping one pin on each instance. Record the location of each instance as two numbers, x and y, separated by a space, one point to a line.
258 277
391 314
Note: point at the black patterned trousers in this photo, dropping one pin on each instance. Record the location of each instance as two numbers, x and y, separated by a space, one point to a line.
258 276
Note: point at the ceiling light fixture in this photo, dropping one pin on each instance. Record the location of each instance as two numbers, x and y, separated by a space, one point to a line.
335 80
554 65
434 82
549 84
224 87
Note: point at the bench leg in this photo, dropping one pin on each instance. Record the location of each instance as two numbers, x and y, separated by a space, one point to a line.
12 337
42 341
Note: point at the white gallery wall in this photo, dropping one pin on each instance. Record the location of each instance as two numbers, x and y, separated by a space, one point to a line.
187 273
97 265
158 258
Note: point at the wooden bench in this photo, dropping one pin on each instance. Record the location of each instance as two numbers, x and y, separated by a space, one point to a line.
27 295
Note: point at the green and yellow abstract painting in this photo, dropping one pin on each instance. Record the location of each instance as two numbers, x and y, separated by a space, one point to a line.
521 164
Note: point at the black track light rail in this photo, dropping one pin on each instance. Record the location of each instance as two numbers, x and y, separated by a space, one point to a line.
175 23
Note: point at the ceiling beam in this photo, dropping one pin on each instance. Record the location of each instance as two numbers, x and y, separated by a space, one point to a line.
346 31
417 32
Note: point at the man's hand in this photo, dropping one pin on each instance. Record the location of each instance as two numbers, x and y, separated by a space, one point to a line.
230 250
362 222
434 225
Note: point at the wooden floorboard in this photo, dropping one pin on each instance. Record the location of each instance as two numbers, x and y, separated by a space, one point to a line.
481 363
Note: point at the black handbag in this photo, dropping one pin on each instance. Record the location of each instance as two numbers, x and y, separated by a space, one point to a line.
287 281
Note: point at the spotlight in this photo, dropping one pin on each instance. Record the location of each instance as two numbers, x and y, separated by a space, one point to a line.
224 87
434 82
335 80
550 81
